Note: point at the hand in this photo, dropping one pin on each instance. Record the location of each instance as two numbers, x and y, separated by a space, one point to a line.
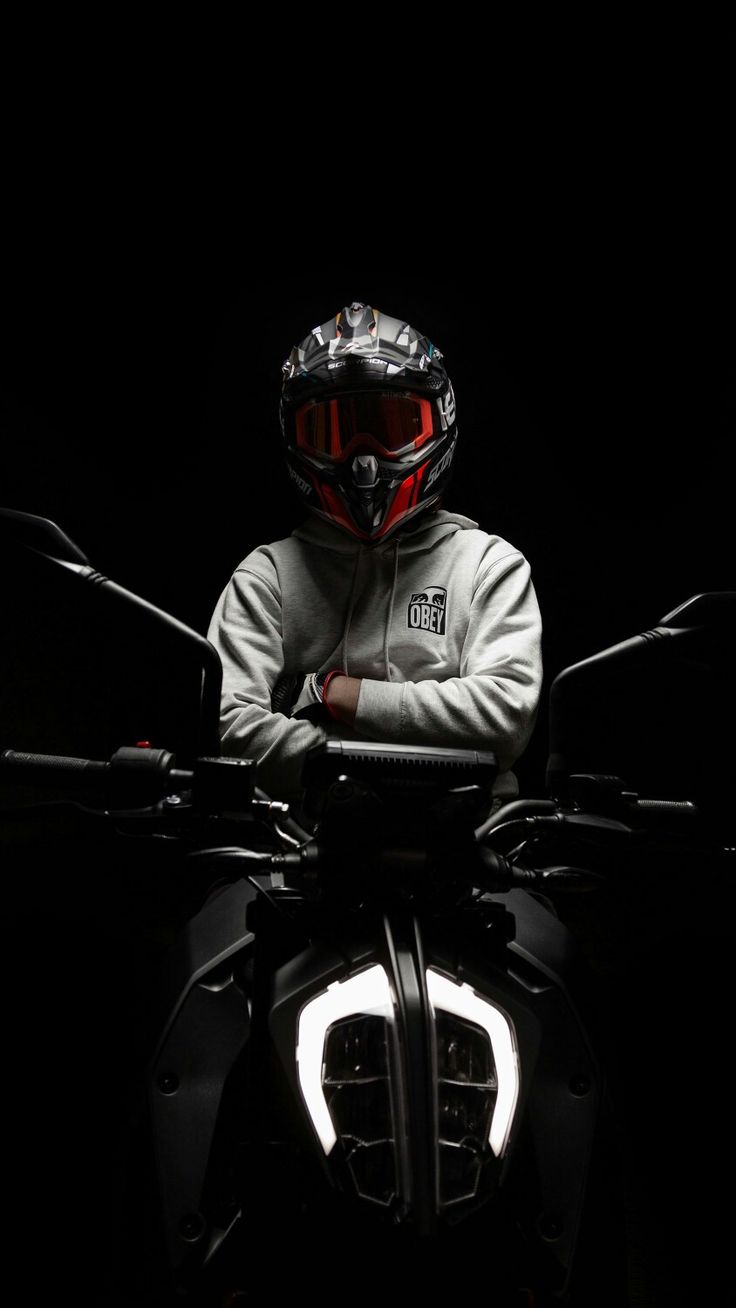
302 696
297 695
306 701
285 693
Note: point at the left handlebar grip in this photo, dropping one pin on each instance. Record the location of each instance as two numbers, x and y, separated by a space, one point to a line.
50 769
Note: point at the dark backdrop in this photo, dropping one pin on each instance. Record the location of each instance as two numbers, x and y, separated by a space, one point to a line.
139 391
596 410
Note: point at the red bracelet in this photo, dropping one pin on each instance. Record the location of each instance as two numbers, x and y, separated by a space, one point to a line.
336 672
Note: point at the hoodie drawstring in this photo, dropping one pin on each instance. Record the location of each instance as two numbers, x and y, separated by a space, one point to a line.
386 661
348 620
390 613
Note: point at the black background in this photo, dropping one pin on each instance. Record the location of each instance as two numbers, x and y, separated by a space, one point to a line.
139 385
595 402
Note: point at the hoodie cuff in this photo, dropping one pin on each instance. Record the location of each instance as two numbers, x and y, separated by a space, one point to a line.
379 715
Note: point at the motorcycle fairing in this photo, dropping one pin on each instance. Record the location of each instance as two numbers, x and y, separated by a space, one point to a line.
548 1152
204 1031
528 978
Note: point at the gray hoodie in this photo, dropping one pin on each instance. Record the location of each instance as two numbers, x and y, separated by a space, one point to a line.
441 622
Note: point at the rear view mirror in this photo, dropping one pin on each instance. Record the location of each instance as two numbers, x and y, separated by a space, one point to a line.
658 709
88 666
40 535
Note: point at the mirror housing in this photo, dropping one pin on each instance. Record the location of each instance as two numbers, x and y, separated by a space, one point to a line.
655 709
69 618
41 535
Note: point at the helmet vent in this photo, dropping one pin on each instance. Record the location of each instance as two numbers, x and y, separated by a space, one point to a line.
365 470
359 315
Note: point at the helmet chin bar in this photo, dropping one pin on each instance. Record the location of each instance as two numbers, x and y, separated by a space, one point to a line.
367 485
368 498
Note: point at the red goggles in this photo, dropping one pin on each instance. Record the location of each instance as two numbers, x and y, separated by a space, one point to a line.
393 425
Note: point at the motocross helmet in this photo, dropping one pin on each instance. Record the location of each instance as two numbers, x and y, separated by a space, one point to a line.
368 418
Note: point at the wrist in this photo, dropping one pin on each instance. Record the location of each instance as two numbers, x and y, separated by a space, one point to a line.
342 697
323 681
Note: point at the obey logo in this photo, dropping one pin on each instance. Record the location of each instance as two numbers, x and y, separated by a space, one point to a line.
427 609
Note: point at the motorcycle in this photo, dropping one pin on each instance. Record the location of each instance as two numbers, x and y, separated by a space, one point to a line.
379 1062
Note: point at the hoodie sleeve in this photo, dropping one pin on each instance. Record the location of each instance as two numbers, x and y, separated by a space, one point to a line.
493 703
246 631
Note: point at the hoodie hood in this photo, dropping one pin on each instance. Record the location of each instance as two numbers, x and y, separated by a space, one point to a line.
423 535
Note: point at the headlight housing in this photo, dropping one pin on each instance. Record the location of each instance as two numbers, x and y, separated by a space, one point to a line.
477 1083
352 1073
344 1056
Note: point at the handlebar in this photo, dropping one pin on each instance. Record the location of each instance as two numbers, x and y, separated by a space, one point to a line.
146 780
46 769
133 777
138 777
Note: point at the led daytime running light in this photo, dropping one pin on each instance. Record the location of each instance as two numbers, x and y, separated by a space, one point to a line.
463 1001
368 992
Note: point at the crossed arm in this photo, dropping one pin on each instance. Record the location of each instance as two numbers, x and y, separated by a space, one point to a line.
490 704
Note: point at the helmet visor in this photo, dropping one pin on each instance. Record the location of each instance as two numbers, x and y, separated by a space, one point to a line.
393 425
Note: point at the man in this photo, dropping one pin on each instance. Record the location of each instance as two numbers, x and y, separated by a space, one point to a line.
382 617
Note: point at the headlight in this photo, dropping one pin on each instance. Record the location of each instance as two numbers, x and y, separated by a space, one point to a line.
350 1072
477 1083
344 1064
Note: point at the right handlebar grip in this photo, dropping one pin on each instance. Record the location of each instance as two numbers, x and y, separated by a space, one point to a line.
667 807
50 769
